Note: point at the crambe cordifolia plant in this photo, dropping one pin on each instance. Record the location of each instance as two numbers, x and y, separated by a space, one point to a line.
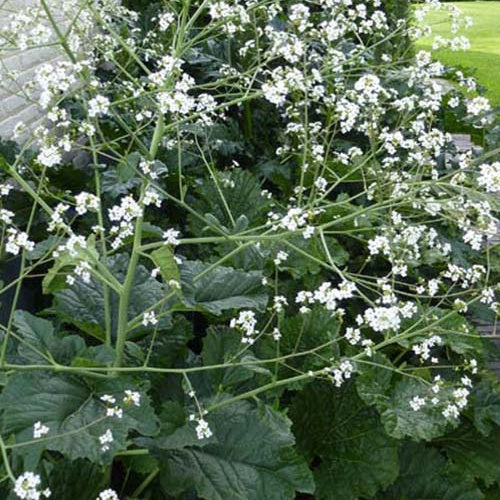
259 256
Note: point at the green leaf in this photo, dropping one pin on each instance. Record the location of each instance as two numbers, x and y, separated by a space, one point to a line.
250 456
401 421
241 194
83 303
373 383
164 259
486 406
300 265
357 457
39 342
122 178
475 455
55 278
301 333
76 480
72 409
221 346
44 247
175 432
221 288
425 476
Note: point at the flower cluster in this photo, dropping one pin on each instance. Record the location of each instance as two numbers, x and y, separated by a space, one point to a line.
27 487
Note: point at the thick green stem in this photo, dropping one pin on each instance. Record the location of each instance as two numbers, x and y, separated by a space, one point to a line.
123 307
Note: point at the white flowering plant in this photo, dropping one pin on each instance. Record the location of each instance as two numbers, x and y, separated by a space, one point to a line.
259 258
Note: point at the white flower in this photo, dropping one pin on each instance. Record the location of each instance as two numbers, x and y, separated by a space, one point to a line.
279 303
152 197
127 210
149 318
107 398
246 322
353 335
489 177
342 373
40 430
171 237
308 232
423 350
132 397
114 411
98 106
478 105
85 202
26 487
18 240
383 318
165 20
202 429
281 256
105 440
417 402
6 216
220 10
49 156
294 219
321 184
379 244
451 412
108 494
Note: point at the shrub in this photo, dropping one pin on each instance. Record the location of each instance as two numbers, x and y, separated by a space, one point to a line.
261 258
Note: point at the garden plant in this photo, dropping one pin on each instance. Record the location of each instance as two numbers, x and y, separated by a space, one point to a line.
259 258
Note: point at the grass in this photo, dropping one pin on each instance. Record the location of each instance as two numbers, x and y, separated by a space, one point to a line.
484 55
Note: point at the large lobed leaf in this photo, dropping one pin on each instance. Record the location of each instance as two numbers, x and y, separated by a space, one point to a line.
356 456
221 288
250 456
425 476
72 409
83 303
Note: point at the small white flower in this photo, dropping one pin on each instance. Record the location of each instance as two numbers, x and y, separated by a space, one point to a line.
451 412
171 237
353 335
40 430
276 334
18 240
49 156
165 20
152 197
132 397
26 487
417 402
149 318
98 106
108 494
85 202
246 322
279 303
308 232
105 440
281 256
114 411
202 429
107 398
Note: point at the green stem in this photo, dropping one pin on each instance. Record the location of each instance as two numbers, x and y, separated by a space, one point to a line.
5 459
60 36
145 483
121 334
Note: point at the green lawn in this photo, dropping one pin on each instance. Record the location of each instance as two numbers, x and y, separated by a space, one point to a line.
484 55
